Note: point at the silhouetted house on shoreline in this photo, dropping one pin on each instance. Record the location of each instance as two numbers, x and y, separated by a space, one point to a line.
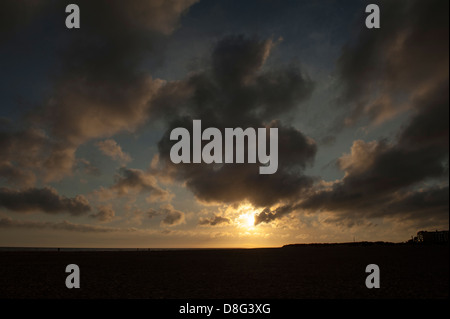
432 237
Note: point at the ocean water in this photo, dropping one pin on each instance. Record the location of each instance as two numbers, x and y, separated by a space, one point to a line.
102 249
70 249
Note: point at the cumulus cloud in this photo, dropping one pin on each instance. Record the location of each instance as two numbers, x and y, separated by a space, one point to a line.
405 177
15 15
384 178
216 220
101 94
45 200
99 89
96 116
22 153
129 180
382 68
235 91
172 217
105 214
110 148
429 206
267 215
15 176
8 223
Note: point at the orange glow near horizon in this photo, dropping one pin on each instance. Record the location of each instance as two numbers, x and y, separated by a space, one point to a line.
246 217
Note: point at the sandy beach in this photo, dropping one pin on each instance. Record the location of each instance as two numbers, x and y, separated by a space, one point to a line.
306 272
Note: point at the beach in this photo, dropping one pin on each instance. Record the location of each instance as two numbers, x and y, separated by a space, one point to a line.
305 272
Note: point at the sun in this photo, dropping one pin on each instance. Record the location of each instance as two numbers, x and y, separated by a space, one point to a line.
250 220
247 220
245 217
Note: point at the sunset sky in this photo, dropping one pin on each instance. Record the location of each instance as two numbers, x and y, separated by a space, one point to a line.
86 115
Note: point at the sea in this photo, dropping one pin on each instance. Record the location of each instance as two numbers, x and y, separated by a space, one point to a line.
102 249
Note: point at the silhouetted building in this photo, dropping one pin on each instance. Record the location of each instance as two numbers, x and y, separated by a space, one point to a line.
430 237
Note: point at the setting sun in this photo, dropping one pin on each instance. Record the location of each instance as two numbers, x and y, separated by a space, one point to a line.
247 220
250 220
245 216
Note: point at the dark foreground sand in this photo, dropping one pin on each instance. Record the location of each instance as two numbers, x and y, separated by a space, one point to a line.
296 272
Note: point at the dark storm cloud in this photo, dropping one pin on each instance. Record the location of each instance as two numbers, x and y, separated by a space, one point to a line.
406 178
239 182
100 79
15 15
45 200
235 84
430 121
267 216
422 208
236 91
419 153
8 223
382 178
98 90
430 204
216 220
408 53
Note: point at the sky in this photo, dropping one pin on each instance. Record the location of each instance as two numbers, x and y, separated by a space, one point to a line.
86 115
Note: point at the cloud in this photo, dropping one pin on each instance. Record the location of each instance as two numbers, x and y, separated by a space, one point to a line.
158 15
14 16
419 152
235 91
383 67
216 220
385 179
99 89
172 217
102 82
105 214
267 216
45 200
16 176
8 223
429 206
136 181
112 149
22 152
235 59
382 177
406 177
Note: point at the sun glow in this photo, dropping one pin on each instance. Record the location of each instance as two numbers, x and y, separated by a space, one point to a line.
250 220
246 218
